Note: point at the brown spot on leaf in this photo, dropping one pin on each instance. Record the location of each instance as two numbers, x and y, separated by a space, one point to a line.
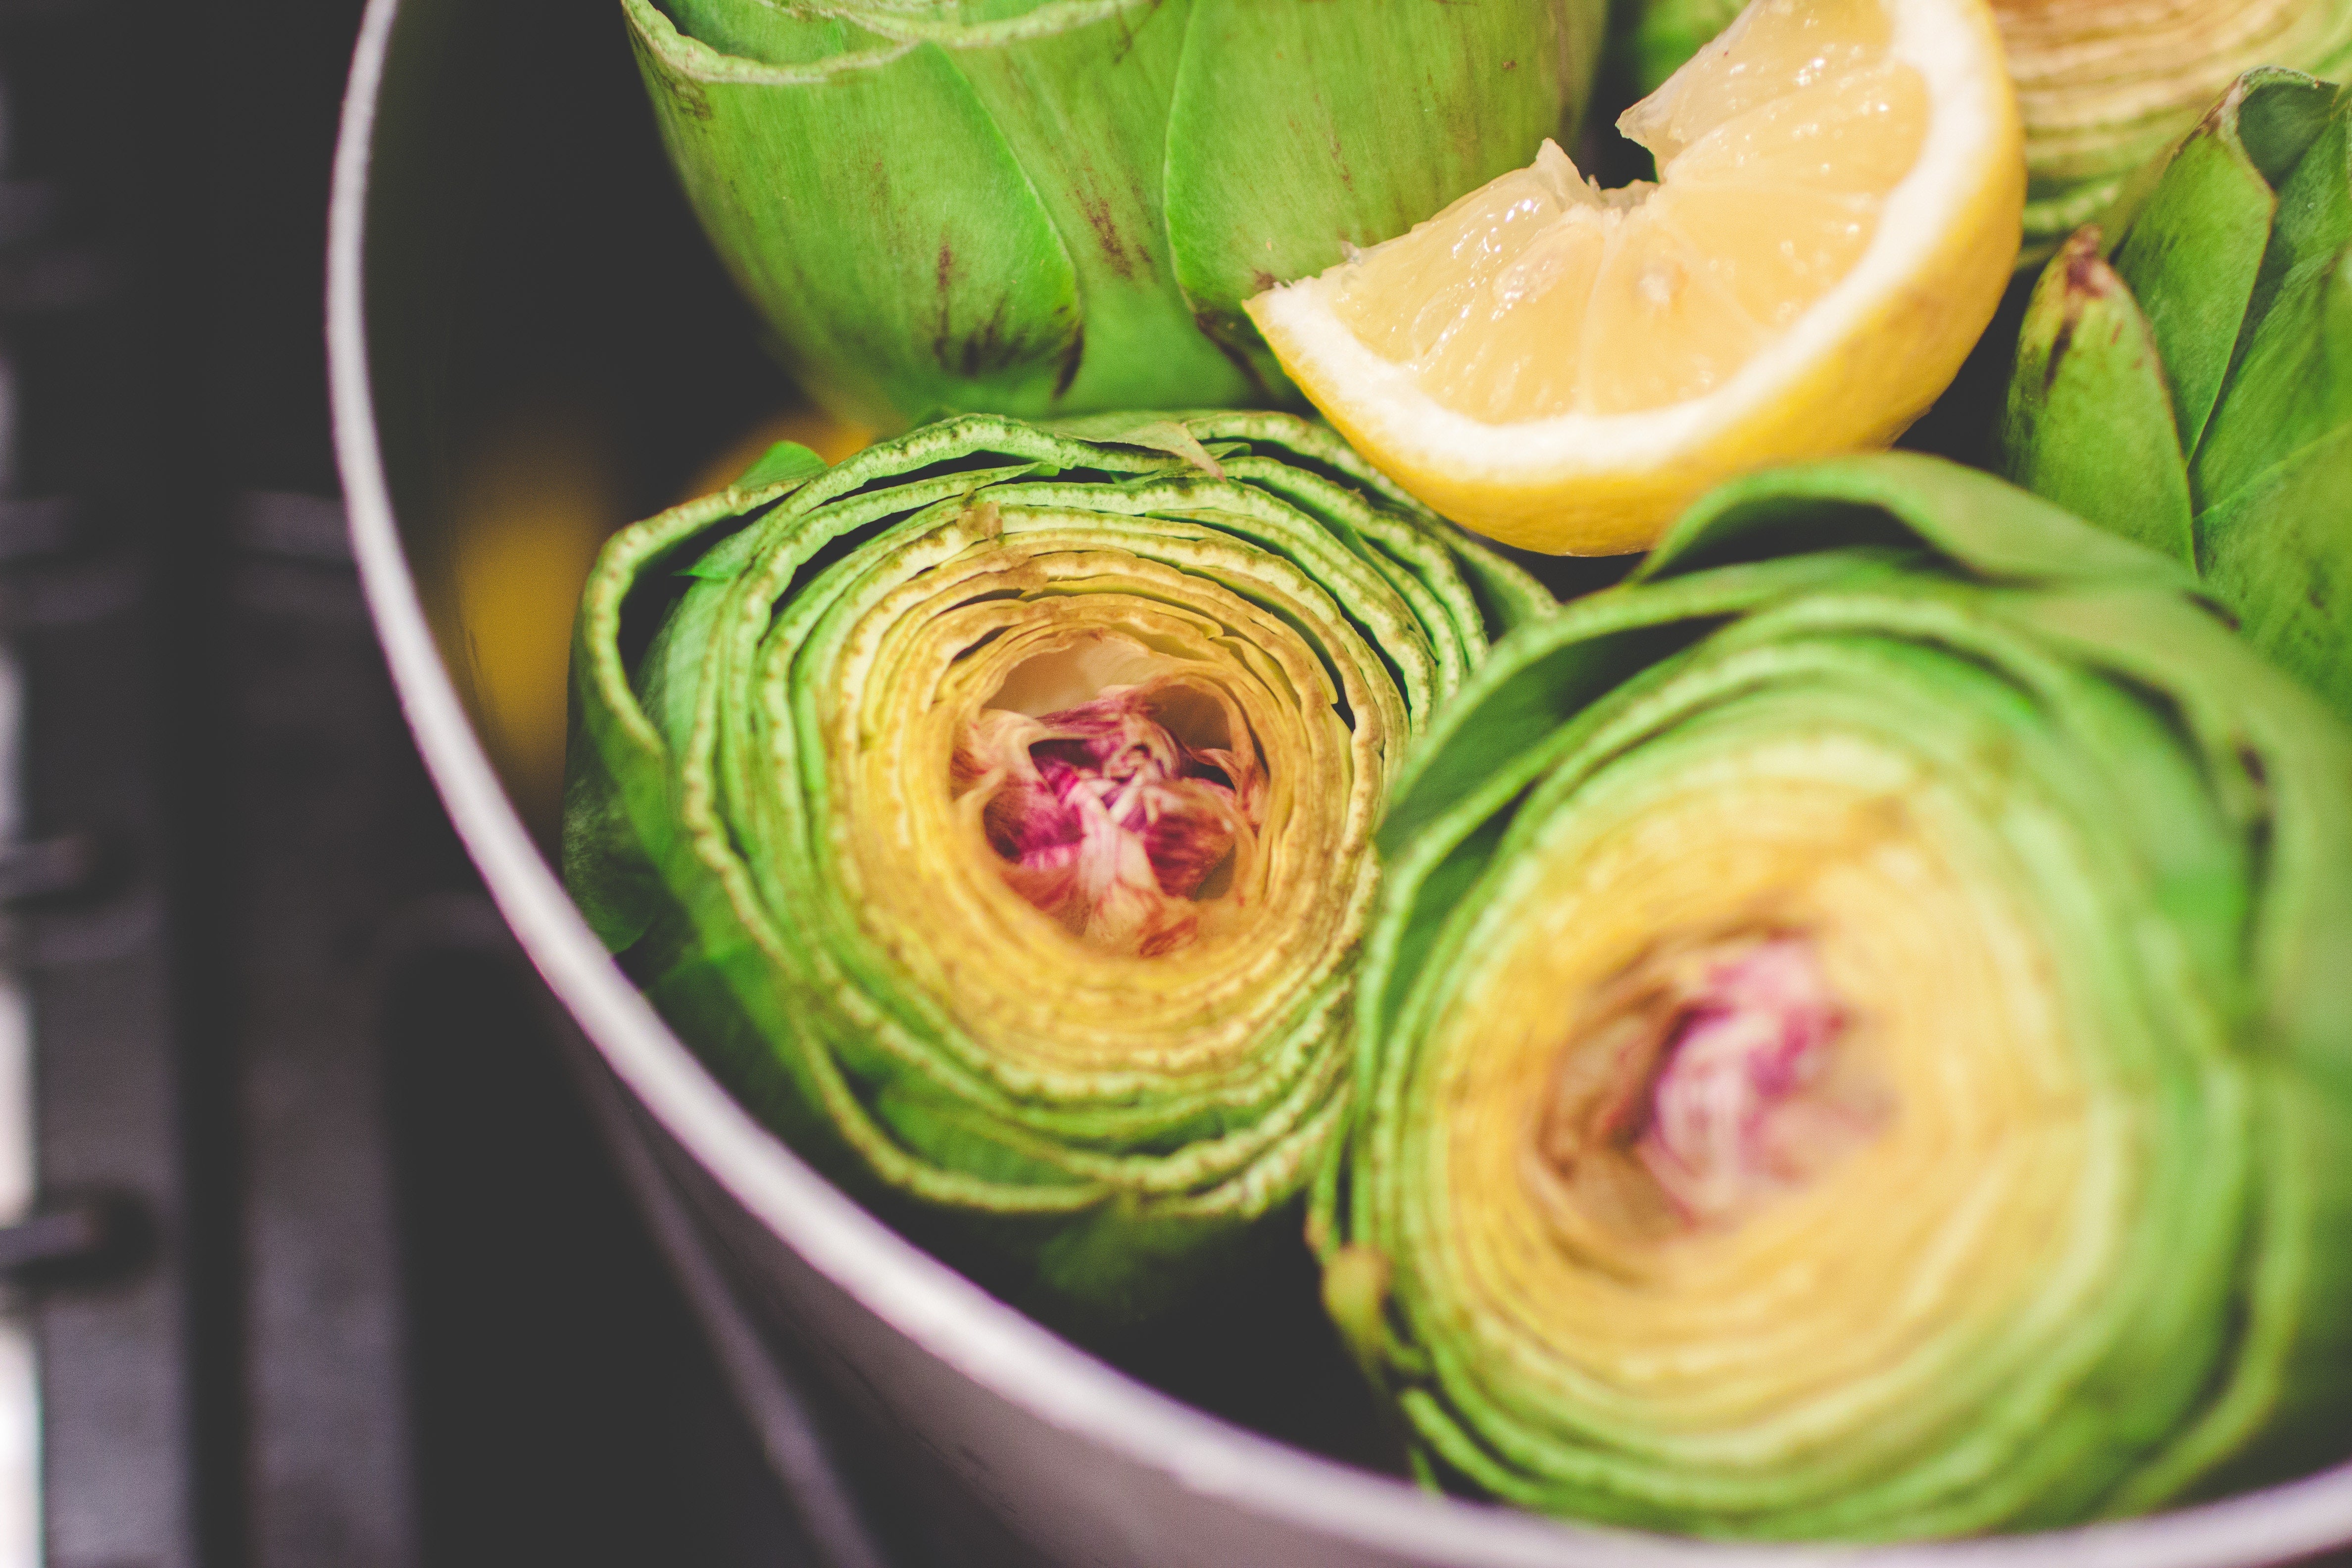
1100 219
2087 271
2087 278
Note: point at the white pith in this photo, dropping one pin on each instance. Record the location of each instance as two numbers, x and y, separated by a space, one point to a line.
1416 432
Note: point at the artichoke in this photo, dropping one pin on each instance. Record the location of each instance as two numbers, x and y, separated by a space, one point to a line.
994 810
1056 206
1854 1036
2104 85
2196 393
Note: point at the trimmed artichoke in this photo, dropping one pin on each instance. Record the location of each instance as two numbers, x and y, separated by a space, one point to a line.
2196 394
1054 207
1854 1038
994 809
2105 86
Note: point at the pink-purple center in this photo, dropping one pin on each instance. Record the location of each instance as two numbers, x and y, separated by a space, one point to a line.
1731 1113
1704 1084
1109 821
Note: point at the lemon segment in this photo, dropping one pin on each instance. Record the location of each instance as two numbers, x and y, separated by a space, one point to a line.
1840 184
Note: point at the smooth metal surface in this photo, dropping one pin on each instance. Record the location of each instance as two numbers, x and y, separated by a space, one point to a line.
1083 1464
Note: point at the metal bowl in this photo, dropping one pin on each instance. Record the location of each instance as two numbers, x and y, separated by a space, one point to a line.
504 238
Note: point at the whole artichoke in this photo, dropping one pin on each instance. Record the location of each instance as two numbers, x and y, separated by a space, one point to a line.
1053 206
2196 394
994 810
1854 1036
2104 85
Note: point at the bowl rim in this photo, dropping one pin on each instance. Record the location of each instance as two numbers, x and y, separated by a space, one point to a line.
941 1311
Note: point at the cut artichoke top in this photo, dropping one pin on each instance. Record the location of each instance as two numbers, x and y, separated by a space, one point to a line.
996 809
1855 1041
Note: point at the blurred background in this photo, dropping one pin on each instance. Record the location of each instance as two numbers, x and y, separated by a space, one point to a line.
310 1257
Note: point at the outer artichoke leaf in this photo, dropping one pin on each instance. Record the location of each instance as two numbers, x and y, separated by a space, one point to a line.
1084 111
777 35
2191 257
1981 525
921 269
614 739
2292 386
784 464
611 877
2300 763
2278 114
1482 743
2273 753
1159 432
2279 553
2314 224
1274 93
2089 418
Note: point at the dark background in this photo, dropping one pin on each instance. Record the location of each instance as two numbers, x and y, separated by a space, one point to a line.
378 1299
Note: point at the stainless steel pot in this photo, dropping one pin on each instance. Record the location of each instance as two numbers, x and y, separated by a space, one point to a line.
1084 1465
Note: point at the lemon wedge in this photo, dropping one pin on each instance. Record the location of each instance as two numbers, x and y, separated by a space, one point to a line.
1838 209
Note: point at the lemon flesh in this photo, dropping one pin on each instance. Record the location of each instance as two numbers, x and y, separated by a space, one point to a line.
1563 368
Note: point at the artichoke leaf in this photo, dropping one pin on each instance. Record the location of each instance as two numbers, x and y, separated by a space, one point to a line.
2279 551
2272 534
2234 288
2291 382
922 271
2193 250
2089 418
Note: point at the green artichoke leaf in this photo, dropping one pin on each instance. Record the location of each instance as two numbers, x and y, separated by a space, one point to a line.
994 810
785 463
2088 422
1990 529
2292 381
2233 287
1852 1042
2279 551
2315 214
1038 206
2276 115
1092 104
920 270
2194 249
2273 535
